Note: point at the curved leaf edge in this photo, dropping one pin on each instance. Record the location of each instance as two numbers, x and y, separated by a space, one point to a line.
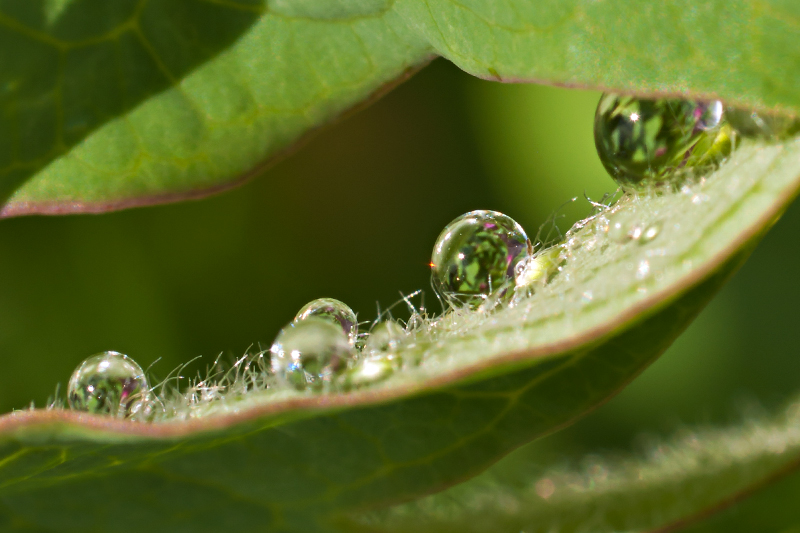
353 520
15 209
294 407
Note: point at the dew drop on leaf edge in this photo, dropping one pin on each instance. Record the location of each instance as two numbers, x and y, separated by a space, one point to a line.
334 311
311 353
476 256
652 142
109 383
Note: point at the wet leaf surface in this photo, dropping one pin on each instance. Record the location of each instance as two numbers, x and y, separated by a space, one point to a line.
487 384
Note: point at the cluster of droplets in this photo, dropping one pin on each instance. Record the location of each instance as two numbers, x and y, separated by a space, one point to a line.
482 261
320 350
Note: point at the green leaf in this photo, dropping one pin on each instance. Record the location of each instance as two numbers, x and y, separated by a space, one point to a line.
111 105
488 382
677 483
107 105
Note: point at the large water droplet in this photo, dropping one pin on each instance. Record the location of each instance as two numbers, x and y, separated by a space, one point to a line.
310 353
109 383
476 256
646 143
759 125
334 311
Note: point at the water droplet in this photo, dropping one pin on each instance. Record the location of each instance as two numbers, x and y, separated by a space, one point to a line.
542 267
370 370
623 227
384 338
646 143
650 233
759 125
618 231
477 256
334 311
109 383
310 353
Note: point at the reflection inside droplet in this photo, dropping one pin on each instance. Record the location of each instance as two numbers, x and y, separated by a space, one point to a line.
110 383
310 353
476 256
645 142
334 311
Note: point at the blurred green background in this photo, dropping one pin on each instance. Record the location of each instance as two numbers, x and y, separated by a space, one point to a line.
353 215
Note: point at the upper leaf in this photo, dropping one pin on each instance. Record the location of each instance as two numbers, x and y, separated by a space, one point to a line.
110 105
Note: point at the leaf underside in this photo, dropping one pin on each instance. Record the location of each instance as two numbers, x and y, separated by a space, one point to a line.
112 105
677 483
488 383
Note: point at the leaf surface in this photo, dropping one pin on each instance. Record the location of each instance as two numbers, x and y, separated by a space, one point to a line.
109 105
112 105
678 483
488 382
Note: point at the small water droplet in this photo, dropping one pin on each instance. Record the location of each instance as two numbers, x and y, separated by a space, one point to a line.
541 268
476 256
759 125
310 353
645 143
650 233
371 370
623 228
384 338
109 383
334 311
618 231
